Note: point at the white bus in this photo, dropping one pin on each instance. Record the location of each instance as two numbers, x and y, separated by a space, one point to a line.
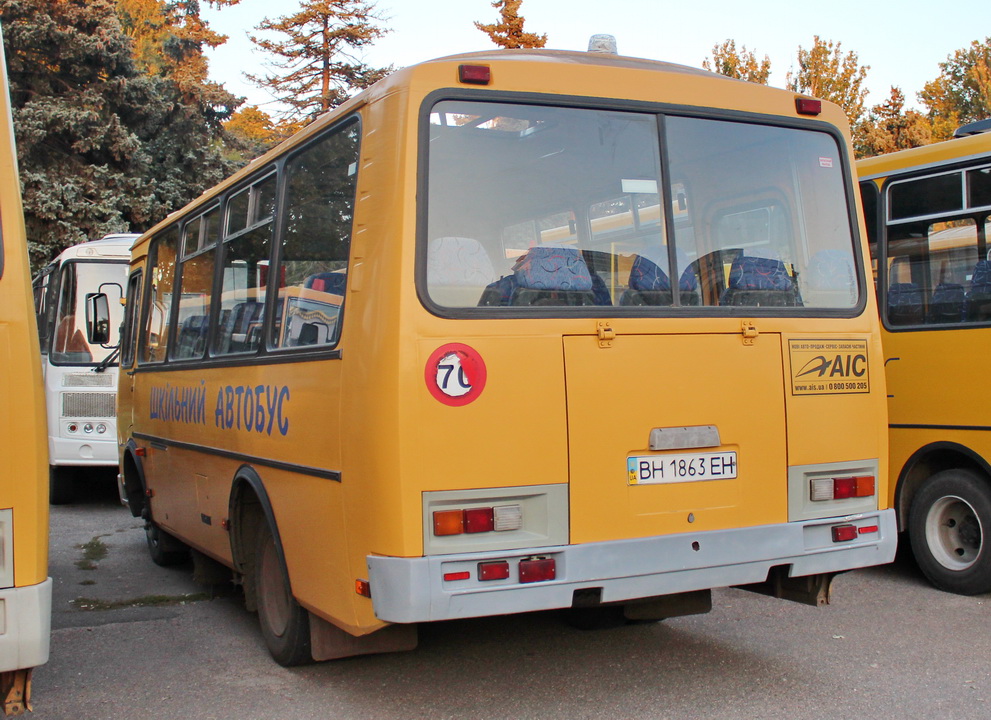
80 376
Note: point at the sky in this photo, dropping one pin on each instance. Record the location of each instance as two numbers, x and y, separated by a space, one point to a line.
902 43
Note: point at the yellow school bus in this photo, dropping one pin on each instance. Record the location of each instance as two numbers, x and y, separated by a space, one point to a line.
25 588
514 331
928 218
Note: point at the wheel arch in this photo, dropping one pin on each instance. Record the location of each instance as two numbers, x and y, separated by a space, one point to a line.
135 485
249 505
926 462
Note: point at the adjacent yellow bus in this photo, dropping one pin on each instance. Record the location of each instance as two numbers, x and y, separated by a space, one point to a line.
514 331
25 588
928 218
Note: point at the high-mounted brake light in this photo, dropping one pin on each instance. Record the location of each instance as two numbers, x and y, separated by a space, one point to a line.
808 106
475 74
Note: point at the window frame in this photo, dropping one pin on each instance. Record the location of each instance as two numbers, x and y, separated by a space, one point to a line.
661 111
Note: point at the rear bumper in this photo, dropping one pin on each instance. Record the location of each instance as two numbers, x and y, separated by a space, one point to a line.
25 626
88 452
407 590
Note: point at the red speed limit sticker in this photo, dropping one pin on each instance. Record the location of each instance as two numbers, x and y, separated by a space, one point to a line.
455 374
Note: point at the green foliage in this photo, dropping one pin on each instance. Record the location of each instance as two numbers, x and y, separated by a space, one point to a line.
889 127
742 64
318 67
825 73
962 92
101 146
508 32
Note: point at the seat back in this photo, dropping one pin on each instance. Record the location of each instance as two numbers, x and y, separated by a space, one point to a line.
905 305
979 296
759 282
552 276
948 304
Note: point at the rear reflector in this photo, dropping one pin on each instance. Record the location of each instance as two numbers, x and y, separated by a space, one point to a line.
537 570
451 576
493 570
474 74
449 522
844 533
867 529
808 106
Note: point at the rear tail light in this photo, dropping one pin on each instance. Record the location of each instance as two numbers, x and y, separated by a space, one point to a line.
500 518
537 570
493 570
844 533
479 520
841 488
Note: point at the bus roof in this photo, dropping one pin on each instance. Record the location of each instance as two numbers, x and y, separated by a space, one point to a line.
114 246
927 157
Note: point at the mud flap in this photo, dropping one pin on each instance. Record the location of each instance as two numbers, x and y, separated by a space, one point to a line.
329 642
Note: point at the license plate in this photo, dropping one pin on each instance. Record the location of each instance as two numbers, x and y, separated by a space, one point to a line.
680 467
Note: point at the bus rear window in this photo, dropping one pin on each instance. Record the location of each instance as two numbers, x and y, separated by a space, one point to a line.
564 207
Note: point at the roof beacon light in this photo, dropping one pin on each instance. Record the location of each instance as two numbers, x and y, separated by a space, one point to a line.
605 44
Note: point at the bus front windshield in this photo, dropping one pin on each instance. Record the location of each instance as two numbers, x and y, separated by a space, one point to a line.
77 281
552 206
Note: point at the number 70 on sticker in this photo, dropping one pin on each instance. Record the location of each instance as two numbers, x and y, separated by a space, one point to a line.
455 374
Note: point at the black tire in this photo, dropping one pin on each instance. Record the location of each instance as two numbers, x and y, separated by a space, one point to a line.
164 549
284 624
948 524
61 484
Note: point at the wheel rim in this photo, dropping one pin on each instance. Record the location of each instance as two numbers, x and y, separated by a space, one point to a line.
273 594
954 533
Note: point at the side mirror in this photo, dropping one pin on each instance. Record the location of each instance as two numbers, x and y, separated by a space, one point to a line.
97 318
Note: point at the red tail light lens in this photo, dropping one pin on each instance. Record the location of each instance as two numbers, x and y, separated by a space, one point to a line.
479 520
475 74
537 570
493 570
844 533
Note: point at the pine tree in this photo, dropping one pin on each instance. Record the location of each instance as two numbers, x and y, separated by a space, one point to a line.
508 32
742 65
962 92
825 73
320 69
102 147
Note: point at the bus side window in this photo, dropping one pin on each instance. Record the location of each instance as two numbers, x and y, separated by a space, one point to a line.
161 276
313 264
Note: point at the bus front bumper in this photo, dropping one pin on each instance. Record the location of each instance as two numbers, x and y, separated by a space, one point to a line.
408 590
25 626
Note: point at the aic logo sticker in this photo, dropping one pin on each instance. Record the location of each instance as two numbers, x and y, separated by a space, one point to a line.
828 367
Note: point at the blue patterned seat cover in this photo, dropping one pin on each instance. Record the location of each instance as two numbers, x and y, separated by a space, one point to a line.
550 268
646 275
758 273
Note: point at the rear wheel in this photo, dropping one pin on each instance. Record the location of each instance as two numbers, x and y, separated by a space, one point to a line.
61 484
949 517
164 549
284 624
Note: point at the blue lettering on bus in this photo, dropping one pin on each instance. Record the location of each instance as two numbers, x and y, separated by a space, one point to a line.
174 403
260 409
